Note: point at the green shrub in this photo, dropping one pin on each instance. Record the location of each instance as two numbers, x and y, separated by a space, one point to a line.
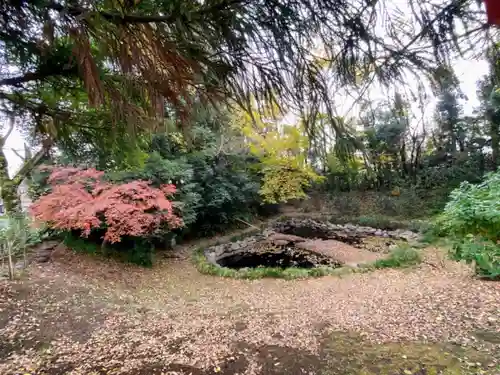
483 253
80 244
14 237
419 226
213 190
472 219
430 237
436 231
39 183
444 176
229 191
400 257
141 252
161 171
138 251
474 209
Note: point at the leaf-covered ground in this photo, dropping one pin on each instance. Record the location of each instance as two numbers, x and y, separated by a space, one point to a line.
82 315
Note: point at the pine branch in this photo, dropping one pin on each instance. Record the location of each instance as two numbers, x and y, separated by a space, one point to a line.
121 18
114 17
34 107
39 75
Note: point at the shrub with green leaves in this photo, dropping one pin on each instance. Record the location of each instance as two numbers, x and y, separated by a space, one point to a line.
216 189
136 250
472 219
484 253
474 209
159 171
15 237
229 192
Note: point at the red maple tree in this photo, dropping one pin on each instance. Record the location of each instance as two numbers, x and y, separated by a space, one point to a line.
81 200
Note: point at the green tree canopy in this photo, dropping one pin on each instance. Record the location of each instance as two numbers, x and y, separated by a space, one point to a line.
136 59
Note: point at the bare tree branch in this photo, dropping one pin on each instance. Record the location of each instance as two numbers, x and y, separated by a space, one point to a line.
31 163
3 139
18 154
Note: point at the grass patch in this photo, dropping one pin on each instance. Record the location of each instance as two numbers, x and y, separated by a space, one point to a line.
348 354
291 273
400 257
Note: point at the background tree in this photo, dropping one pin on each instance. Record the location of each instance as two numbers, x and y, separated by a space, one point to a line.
282 150
449 136
386 128
490 102
9 185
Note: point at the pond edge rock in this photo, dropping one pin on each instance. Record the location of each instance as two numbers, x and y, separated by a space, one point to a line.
288 232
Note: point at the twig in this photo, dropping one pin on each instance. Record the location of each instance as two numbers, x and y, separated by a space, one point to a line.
432 265
11 265
250 225
18 154
25 259
2 257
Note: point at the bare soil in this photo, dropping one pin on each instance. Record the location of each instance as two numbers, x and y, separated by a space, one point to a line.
84 315
342 252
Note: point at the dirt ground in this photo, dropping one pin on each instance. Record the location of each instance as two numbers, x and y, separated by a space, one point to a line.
83 315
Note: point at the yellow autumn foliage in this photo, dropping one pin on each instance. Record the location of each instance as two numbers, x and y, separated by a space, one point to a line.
282 151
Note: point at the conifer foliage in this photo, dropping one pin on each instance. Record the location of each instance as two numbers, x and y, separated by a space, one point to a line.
80 200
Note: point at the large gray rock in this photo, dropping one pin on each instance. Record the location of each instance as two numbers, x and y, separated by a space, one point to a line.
235 245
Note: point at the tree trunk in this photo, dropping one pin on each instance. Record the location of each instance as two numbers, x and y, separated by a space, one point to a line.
103 247
9 260
10 198
495 142
404 161
8 188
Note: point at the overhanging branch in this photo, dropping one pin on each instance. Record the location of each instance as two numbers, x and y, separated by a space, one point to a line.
38 75
36 108
31 163
111 16
18 154
121 18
